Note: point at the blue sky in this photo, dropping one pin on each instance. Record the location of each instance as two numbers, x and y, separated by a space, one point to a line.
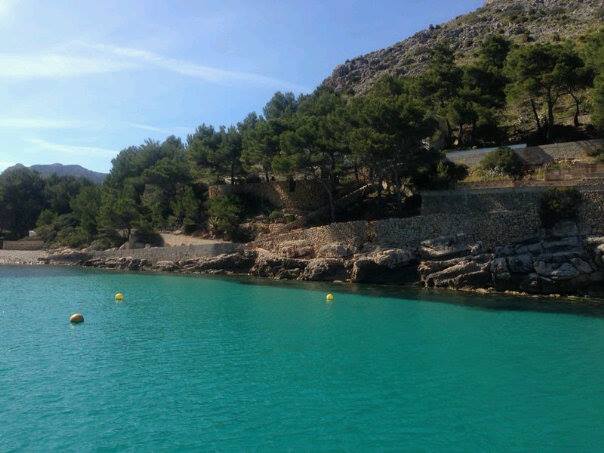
82 80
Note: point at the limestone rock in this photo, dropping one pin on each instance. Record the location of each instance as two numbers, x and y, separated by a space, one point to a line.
296 249
324 269
68 256
234 263
336 250
277 267
165 266
386 266
448 247
461 273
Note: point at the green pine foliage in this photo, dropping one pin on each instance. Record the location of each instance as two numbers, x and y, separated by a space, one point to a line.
392 138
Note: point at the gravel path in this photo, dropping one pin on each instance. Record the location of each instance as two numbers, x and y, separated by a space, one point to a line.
21 256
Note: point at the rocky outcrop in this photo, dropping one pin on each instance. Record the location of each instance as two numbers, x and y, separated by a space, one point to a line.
385 266
448 247
558 265
554 265
66 257
123 263
336 250
325 270
537 20
279 268
561 263
233 263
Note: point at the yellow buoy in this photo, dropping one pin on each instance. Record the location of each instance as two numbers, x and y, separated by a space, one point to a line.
329 297
76 318
119 297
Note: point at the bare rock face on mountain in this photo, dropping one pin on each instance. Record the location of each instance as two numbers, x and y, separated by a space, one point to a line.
520 20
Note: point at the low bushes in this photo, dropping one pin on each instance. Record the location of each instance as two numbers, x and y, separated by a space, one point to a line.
504 161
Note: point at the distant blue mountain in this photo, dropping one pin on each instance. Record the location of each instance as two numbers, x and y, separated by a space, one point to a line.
68 170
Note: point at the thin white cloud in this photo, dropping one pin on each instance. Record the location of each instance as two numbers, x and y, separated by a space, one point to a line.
161 130
146 127
190 69
38 123
74 150
88 59
54 65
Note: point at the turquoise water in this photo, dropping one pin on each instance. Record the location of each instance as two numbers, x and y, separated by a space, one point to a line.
207 364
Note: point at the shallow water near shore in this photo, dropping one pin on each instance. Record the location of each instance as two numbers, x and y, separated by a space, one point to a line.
230 364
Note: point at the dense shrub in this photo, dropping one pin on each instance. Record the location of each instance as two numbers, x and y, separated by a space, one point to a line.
559 204
224 216
504 161
144 233
448 174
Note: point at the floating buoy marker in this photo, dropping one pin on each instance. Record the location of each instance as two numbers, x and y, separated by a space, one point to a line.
329 297
76 318
119 297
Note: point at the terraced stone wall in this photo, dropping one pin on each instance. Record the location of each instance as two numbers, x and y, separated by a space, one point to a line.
494 218
534 155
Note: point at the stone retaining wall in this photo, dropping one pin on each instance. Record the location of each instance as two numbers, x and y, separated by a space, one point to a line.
184 252
22 245
534 155
494 217
491 229
480 200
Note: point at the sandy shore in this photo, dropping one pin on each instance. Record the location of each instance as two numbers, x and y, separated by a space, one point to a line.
21 256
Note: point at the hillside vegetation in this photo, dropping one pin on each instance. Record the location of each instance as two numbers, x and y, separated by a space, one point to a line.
389 140
520 20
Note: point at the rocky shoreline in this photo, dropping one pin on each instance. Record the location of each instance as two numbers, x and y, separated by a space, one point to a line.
559 264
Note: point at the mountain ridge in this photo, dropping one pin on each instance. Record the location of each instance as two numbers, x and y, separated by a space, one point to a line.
64 170
520 20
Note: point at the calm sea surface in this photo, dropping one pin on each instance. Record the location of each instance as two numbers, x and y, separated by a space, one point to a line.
190 363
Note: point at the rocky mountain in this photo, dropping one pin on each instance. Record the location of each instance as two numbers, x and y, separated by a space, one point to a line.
521 20
67 170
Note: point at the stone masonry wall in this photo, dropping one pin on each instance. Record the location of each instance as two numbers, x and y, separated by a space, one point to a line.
22 245
480 200
156 254
534 155
492 217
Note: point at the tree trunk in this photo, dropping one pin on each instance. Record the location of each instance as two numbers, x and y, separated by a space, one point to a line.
460 136
536 115
550 120
577 123
332 208
449 132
